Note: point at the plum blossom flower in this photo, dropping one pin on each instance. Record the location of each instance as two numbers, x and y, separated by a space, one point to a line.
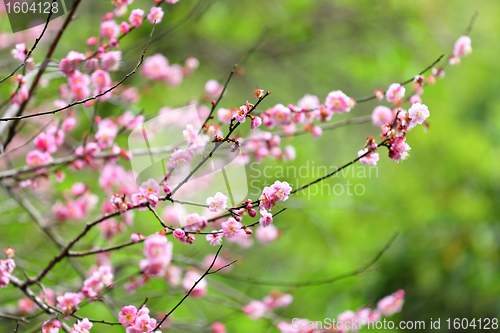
255 310
155 14
51 326
370 159
418 113
266 219
231 227
214 238
462 46
135 17
266 234
82 326
391 304
69 301
190 279
395 92
109 29
256 122
36 158
194 222
180 158
217 202
190 134
241 114
280 115
382 115
308 102
110 61
337 101
213 88
158 253
6 268
399 150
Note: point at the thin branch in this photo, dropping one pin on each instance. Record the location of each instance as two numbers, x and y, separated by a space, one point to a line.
207 272
141 60
32 48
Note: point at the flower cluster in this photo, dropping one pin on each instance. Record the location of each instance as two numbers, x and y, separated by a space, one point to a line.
349 321
81 326
68 302
279 191
98 280
256 310
158 253
6 268
136 321
461 49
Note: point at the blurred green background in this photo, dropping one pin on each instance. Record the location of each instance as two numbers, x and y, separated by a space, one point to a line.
444 200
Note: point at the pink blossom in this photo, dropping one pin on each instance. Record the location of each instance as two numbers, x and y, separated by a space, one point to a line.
158 253
225 115
415 99
194 222
213 88
82 326
150 187
190 134
214 238
255 310
70 64
241 114
124 27
6 268
266 234
51 326
143 323
462 46
110 228
172 1
68 124
155 14
99 279
69 301
37 158
175 75
280 115
337 101
308 102
382 115
155 67
127 315
218 327
418 113
256 122
316 131
370 159
45 142
217 202
106 133
179 233
281 190
110 61
173 275
101 80
399 150
395 92
135 237
19 52
135 17
231 227
109 29
190 279
266 219
191 64
391 304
